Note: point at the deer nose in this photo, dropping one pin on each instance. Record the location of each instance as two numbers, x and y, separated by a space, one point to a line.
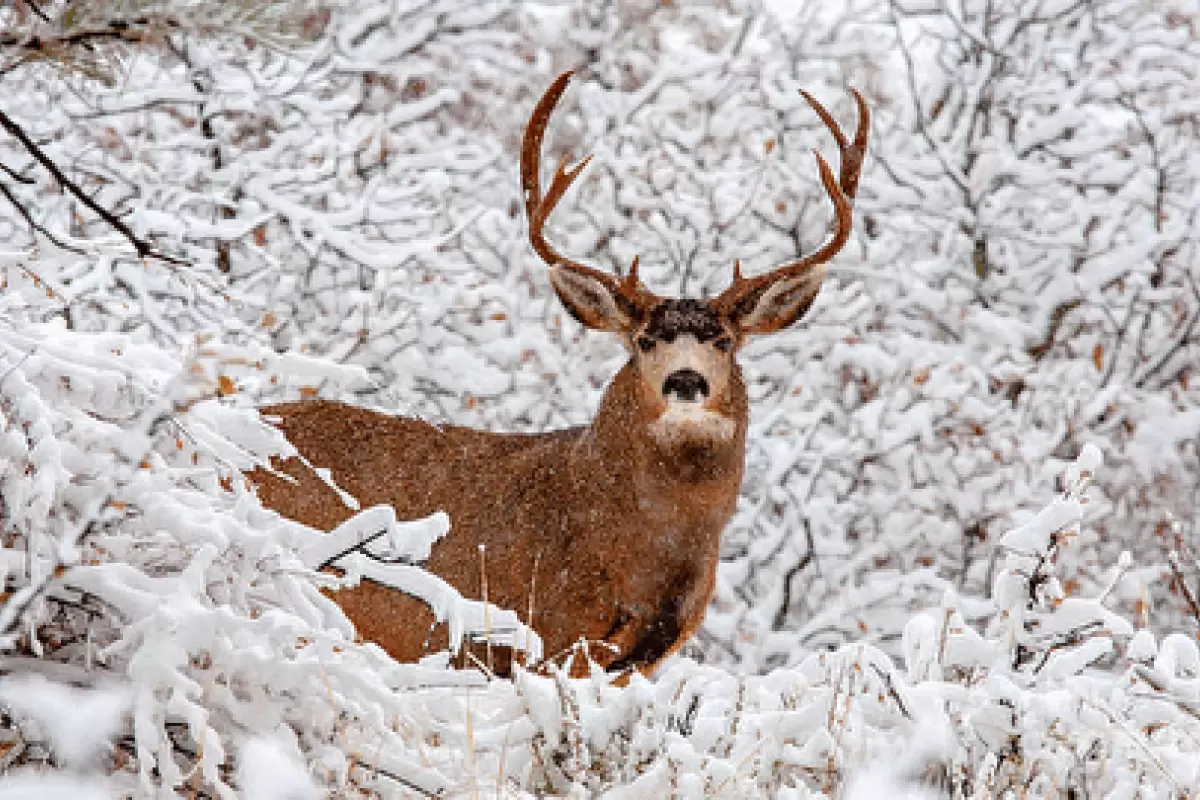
686 384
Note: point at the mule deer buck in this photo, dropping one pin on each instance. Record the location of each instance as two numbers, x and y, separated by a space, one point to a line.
609 532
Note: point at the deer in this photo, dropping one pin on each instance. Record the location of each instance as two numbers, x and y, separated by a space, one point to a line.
607 533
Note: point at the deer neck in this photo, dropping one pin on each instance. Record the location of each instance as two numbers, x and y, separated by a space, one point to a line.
624 441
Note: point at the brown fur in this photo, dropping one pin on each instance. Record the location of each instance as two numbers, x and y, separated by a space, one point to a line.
624 535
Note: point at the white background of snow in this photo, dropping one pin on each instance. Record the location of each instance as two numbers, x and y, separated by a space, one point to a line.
882 428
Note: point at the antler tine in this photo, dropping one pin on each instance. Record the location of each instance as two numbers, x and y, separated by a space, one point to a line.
851 152
531 162
538 207
631 282
841 190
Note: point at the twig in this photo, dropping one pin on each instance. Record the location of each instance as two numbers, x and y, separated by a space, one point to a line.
537 557
17 364
406 783
891 688
35 8
1133 735
483 588
141 246
1177 571
82 38
12 612
37 226
1157 684
16 176
330 562
57 671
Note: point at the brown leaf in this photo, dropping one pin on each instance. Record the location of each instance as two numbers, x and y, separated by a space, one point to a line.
225 385
1098 357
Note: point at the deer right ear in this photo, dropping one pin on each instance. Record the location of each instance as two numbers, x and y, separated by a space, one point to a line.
595 302
774 306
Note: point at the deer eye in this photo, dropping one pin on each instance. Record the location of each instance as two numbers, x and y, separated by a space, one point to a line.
645 344
723 344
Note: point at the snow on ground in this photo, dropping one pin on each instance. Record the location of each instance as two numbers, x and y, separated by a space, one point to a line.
961 563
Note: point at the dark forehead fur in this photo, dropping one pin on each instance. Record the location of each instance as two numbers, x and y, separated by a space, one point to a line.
674 317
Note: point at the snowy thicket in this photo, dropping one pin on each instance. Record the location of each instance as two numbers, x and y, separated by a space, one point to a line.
324 200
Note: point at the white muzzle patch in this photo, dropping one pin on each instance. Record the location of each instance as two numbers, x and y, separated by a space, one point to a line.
691 422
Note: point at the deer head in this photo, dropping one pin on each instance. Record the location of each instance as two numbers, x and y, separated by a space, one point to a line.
682 350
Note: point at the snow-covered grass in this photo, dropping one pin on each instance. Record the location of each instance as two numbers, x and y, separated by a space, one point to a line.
164 632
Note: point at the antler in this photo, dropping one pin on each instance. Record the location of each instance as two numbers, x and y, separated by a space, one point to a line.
538 207
745 292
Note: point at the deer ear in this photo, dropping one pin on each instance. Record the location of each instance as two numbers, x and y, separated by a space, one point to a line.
777 305
597 303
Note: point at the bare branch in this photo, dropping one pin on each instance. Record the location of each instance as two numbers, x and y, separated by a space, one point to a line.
144 248
34 224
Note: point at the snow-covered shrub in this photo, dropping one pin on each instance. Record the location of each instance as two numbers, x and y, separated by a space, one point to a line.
1028 285
138 564
191 620
1021 285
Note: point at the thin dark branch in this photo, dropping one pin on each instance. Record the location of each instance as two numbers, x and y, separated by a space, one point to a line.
15 176
35 8
37 226
134 31
400 779
144 249
84 37
786 603
1182 341
891 688
332 560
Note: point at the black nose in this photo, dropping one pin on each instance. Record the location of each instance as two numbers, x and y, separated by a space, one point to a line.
686 384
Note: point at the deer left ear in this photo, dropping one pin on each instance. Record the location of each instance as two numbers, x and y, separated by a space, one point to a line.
594 299
776 305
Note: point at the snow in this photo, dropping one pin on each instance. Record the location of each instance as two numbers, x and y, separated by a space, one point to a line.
78 723
969 510
270 769
25 785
